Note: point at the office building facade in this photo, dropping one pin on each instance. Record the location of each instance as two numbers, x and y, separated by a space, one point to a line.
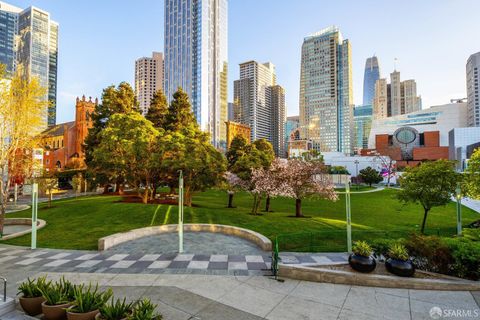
473 88
33 37
362 124
370 77
148 79
395 98
326 95
260 103
196 59
292 123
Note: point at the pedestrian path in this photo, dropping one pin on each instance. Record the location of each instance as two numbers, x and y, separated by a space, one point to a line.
140 262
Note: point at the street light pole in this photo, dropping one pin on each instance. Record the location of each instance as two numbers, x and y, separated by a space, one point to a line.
458 196
349 217
180 213
356 177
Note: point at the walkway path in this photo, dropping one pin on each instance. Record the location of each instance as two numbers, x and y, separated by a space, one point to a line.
202 297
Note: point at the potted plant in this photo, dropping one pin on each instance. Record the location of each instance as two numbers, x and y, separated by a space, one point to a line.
398 261
56 301
145 310
31 299
361 259
88 301
115 310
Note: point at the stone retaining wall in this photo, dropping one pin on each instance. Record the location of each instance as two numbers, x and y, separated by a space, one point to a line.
260 240
373 280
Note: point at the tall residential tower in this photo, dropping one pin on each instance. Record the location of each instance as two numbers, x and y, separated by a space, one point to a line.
260 103
326 98
473 88
370 77
196 55
148 79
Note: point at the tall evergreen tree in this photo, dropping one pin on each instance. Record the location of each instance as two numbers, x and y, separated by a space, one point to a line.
158 111
180 113
236 150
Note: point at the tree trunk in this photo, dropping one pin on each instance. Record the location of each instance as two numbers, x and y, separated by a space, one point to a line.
3 206
121 189
187 197
425 213
267 204
145 195
230 200
172 190
298 208
105 189
154 191
259 202
50 197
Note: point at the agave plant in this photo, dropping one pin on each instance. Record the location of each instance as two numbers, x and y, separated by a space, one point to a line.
116 310
31 288
362 248
145 310
67 287
398 251
89 298
54 294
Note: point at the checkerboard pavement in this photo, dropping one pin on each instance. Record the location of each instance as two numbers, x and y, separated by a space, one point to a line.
111 262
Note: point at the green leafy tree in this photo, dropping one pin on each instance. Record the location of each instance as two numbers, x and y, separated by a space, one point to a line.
128 148
158 111
370 176
236 150
430 184
47 183
180 113
189 149
115 100
472 175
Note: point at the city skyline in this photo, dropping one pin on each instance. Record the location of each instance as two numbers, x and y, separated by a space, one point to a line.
90 61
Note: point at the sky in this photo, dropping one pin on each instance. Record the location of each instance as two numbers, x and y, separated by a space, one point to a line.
99 41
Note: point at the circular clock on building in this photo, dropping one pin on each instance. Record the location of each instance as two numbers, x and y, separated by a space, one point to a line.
405 135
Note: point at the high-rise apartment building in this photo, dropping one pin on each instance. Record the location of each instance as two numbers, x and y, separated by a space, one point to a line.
292 123
370 77
396 98
326 96
473 88
196 58
260 103
148 79
31 38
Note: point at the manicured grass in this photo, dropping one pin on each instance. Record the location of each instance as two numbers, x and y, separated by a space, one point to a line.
79 223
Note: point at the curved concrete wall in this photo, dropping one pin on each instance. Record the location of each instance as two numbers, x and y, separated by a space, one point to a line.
22 221
260 240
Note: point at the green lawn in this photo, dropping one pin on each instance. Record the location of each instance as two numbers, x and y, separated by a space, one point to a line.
79 223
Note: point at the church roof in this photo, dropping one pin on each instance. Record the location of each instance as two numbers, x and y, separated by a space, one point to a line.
58 129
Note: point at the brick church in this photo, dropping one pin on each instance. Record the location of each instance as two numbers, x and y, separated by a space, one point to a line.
63 143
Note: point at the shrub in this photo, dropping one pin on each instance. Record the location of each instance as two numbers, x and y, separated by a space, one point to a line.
430 253
466 256
398 251
472 234
381 246
362 248
145 310
89 298
32 288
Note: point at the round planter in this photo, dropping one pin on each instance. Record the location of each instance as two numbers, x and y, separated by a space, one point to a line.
82 316
361 263
400 268
99 317
32 306
57 312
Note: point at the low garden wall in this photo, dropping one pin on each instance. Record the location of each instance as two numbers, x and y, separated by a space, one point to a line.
22 221
373 280
260 240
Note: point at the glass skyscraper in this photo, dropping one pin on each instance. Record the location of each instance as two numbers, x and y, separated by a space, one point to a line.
196 60
371 75
326 98
362 124
31 38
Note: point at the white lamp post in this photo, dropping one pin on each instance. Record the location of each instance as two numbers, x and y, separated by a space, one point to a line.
180 213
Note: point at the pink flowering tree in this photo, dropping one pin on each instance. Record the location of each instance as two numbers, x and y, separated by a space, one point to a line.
265 183
233 183
300 179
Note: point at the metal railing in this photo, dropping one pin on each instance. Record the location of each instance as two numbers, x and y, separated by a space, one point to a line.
4 288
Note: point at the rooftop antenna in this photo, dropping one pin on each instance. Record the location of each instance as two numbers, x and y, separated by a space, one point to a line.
395 64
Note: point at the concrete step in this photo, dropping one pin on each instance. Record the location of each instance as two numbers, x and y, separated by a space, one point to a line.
6 307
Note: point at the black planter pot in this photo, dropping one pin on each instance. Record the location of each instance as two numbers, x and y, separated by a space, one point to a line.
400 268
361 263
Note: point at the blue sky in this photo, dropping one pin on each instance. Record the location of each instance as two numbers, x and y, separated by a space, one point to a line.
432 39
